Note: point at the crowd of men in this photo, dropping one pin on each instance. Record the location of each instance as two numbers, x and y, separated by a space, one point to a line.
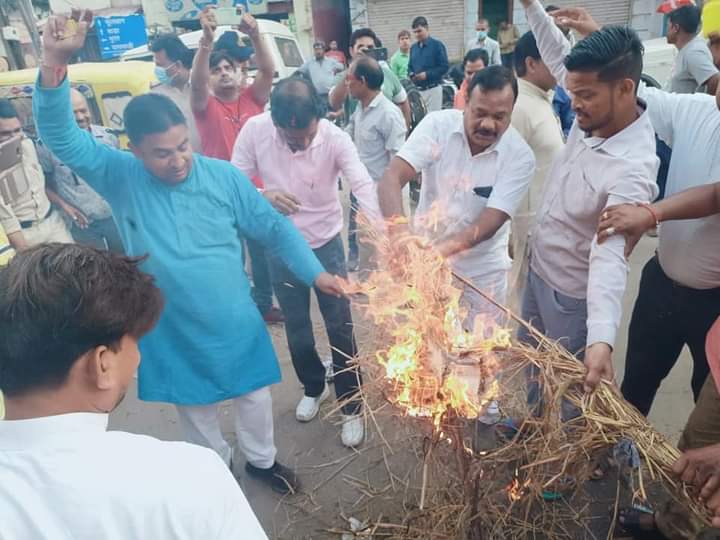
537 208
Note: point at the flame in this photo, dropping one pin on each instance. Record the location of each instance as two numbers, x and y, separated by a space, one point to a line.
516 490
433 364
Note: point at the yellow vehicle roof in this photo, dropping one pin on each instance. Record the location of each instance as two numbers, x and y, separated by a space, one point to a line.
132 75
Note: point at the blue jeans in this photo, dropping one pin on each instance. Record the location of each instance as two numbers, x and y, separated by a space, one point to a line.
294 298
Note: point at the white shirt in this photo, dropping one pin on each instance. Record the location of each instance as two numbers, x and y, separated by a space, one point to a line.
378 132
690 249
490 45
66 478
589 174
438 148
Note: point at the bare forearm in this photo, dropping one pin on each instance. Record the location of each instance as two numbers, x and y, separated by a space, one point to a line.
484 228
398 173
17 240
337 96
407 114
54 198
200 78
698 202
52 75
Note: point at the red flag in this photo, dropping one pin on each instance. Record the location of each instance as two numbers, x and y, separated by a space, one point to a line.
671 5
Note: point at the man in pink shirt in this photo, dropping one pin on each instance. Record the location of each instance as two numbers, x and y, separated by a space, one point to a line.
300 156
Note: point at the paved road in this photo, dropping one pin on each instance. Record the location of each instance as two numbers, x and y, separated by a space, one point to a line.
309 446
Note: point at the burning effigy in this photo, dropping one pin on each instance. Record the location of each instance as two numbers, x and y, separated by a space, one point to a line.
429 377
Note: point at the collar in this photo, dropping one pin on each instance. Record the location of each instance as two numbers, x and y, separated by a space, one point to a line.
619 144
66 429
376 101
534 90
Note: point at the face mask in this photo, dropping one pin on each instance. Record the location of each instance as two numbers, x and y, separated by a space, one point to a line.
482 34
162 75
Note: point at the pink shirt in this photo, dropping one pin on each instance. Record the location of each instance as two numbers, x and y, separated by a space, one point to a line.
311 175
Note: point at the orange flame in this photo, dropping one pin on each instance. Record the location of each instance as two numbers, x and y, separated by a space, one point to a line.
434 363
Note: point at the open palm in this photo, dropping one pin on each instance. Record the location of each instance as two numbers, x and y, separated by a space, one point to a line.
64 36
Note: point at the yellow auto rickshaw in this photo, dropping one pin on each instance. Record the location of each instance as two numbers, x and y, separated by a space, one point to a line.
108 88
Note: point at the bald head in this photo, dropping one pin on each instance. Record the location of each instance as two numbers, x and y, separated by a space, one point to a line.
80 108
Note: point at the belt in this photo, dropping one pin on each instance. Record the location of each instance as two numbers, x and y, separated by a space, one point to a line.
31 223
430 87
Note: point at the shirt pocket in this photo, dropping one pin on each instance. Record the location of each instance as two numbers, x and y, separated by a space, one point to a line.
203 221
580 197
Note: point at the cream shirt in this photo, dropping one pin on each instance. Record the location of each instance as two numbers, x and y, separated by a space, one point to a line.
66 477
535 119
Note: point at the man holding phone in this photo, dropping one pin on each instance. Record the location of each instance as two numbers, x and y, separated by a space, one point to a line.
25 211
428 64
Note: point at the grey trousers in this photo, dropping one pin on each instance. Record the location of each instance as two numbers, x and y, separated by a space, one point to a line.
559 317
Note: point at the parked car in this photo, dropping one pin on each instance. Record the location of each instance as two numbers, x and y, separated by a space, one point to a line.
278 38
108 88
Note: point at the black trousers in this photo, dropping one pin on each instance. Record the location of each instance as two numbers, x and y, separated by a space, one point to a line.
294 299
666 317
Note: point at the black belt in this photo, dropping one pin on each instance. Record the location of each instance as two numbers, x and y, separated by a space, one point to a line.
423 88
29 223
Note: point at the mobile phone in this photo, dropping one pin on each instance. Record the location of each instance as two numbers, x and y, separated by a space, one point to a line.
483 192
380 54
228 16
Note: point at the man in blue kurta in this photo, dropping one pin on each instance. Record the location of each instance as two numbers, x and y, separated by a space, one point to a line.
188 213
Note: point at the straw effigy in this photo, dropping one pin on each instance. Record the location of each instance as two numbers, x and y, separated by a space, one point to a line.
441 474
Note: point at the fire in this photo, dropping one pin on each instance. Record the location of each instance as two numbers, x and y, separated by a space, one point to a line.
434 363
516 490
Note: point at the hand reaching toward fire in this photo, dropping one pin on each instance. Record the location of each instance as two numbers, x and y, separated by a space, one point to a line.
598 365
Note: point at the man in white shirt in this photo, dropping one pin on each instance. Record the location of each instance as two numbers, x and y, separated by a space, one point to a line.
575 286
679 297
484 41
476 169
71 319
535 119
694 67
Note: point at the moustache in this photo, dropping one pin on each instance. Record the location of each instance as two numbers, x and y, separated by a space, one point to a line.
486 132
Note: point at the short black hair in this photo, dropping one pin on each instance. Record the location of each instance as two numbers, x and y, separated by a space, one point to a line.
295 103
364 32
493 78
526 47
7 109
369 69
403 33
218 56
615 53
150 113
419 21
687 18
174 48
59 301
473 55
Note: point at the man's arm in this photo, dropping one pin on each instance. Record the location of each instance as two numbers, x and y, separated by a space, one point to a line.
338 93
262 85
507 194
495 58
101 166
662 108
712 84
75 214
633 221
608 278
200 73
11 225
551 42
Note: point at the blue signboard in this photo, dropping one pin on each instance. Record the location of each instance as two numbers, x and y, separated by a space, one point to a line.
119 34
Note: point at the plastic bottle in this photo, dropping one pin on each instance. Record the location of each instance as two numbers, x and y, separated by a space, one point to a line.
711 17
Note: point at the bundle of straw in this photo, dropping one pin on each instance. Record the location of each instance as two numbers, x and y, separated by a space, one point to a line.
441 482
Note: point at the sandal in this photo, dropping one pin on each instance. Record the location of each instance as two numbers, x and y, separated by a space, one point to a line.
634 521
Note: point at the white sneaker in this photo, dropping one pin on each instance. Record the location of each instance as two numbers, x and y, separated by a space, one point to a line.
308 407
329 373
353 430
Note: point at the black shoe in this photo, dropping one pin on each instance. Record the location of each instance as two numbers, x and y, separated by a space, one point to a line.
278 477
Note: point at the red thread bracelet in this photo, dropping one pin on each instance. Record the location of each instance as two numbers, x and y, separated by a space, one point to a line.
652 212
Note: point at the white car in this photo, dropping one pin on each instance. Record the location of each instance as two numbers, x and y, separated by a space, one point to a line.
278 38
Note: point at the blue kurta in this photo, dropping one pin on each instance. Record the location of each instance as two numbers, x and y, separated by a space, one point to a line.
211 343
